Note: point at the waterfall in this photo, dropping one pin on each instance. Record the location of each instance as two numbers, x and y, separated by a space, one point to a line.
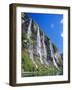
58 57
39 45
29 33
28 36
29 30
44 50
52 55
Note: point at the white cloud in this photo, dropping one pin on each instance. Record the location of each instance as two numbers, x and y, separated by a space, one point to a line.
62 34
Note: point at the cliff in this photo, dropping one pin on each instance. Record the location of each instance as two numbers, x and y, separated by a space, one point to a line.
39 54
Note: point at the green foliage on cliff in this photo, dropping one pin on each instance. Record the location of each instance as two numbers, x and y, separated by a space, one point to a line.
42 70
27 64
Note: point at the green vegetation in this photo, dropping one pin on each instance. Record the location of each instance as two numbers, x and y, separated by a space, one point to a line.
48 70
24 36
27 64
42 70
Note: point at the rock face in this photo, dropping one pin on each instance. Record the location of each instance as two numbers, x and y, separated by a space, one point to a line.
39 47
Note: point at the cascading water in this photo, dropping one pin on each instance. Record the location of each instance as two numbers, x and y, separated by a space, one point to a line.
30 44
58 57
39 45
52 55
29 30
44 50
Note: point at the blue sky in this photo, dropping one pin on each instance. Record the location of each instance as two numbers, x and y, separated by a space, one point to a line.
52 26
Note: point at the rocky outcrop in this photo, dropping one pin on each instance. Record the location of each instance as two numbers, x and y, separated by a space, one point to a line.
38 46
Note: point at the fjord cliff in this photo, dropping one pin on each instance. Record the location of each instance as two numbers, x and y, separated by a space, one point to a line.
39 54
